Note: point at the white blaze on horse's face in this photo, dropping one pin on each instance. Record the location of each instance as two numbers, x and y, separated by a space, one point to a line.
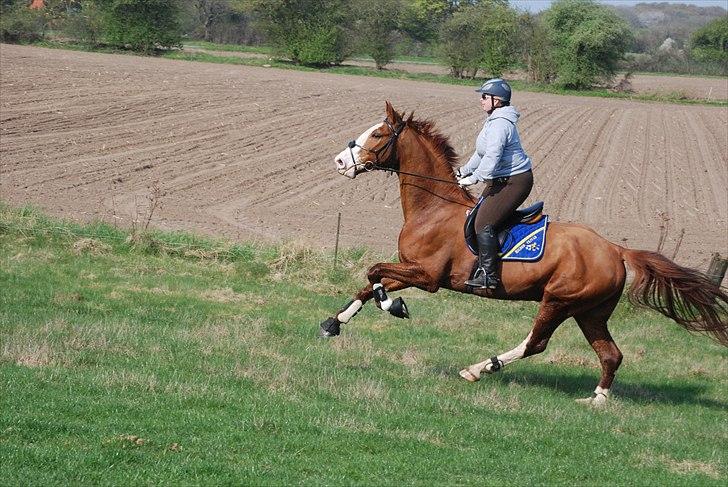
348 162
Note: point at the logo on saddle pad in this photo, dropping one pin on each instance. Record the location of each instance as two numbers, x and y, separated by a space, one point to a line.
524 241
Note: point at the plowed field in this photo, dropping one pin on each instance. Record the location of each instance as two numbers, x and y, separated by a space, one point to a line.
248 152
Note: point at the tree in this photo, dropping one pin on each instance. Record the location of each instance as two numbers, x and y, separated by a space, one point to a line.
588 39
710 43
84 21
535 49
479 36
310 32
499 39
209 12
460 45
422 19
142 25
376 25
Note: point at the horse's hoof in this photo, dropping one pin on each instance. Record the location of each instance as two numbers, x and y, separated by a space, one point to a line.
399 309
330 328
469 376
596 402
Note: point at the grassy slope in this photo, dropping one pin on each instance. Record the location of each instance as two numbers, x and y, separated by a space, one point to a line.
179 360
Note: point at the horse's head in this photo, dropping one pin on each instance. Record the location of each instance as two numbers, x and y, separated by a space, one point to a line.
374 149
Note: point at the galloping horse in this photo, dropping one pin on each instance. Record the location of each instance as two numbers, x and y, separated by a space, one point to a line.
580 274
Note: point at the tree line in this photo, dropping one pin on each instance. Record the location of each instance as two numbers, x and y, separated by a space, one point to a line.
573 44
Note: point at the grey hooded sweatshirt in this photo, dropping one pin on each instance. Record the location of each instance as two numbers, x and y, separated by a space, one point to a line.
498 152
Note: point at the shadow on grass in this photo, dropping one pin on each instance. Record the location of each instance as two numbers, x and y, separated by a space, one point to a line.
580 384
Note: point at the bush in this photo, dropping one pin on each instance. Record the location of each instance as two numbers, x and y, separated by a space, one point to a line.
142 25
479 36
499 38
18 23
309 32
461 43
85 23
535 49
376 28
588 39
710 44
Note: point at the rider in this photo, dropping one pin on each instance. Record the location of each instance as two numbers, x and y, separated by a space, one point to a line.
501 162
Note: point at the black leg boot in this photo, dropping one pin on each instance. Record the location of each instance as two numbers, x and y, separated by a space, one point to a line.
487 274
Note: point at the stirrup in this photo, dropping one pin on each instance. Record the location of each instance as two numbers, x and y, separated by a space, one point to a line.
483 280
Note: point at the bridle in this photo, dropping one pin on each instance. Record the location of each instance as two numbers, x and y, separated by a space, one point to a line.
374 165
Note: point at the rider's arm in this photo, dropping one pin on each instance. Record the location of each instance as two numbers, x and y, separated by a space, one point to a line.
492 148
474 161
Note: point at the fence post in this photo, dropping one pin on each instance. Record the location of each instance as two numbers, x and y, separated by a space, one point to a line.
717 269
336 245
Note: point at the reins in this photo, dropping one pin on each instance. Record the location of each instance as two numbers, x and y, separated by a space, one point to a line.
389 169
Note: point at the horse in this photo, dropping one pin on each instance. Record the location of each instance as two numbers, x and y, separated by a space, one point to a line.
579 275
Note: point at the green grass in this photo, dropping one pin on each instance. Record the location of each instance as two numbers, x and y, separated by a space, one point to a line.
212 46
168 358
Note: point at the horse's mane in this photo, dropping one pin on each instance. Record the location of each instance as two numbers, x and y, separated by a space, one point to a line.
439 142
441 145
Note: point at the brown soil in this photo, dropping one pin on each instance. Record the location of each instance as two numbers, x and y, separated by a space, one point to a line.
247 153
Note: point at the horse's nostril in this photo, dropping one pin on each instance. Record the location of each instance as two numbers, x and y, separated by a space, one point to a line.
339 163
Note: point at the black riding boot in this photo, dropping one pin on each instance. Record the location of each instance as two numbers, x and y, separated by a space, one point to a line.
487 274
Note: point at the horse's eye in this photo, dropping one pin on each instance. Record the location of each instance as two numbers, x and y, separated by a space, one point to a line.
377 135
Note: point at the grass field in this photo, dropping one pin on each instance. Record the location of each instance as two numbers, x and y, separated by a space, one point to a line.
166 358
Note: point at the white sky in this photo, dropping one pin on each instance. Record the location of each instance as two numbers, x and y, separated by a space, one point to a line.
538 5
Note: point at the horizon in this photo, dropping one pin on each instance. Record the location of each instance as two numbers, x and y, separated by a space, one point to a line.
535 6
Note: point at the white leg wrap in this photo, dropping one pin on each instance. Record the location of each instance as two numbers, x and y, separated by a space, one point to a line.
515 354
384 304
599 391
600 397
346 315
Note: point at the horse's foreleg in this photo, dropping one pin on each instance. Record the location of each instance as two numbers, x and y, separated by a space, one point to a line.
383 277
332 326
410 273
549 317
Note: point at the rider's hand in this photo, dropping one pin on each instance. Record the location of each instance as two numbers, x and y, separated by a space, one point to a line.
460 173
467 181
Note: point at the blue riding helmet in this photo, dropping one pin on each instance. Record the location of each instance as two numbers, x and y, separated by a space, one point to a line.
497 88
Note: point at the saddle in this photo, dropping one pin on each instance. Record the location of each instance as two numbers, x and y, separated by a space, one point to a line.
522 237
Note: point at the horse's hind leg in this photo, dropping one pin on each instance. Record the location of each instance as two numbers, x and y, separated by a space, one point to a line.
549 317
593 324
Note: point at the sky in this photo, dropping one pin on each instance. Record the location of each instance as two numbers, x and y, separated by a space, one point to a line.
538 5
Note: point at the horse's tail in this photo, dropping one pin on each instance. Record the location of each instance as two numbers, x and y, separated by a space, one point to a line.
682 294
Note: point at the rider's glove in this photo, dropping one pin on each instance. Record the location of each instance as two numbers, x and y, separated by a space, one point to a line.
460 173
467 181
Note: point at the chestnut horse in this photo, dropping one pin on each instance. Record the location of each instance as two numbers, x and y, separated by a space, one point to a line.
580 274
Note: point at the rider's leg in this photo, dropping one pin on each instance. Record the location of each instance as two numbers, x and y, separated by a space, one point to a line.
502 197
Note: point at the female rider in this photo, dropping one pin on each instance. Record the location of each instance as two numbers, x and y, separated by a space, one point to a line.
501 162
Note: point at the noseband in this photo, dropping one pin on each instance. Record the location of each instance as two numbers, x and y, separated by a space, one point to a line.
374 165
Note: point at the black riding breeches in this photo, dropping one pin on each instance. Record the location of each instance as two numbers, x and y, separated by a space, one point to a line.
502 196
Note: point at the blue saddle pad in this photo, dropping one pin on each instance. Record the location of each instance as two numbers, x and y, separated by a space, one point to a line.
522 241
525 241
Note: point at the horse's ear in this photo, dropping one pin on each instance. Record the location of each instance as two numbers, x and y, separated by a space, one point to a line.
392 114
411 116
